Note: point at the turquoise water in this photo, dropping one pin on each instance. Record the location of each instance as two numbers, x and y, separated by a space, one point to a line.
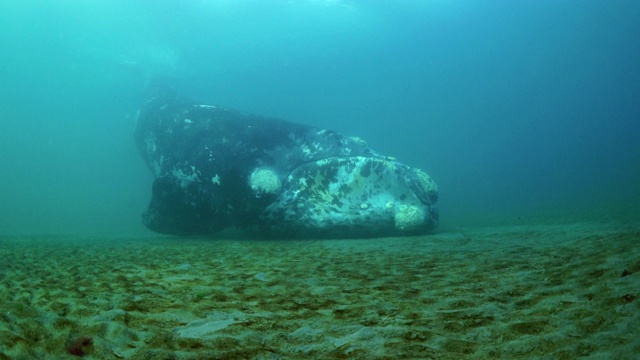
516 109
525 113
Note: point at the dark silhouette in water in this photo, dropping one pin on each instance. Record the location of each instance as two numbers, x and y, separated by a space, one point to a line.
217 168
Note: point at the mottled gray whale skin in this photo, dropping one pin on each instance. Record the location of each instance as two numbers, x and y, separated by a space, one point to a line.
217 168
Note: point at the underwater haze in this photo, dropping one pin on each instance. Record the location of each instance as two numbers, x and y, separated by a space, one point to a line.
517 109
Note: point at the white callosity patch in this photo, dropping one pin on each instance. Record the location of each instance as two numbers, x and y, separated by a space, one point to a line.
408 217
150 141
155 165
358 140
428 184
216 179
264 181
306 150
187 177
343 177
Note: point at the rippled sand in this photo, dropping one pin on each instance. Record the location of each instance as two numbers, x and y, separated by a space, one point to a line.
515 292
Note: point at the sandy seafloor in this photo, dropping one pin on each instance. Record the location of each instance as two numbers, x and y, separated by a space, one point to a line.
561 290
